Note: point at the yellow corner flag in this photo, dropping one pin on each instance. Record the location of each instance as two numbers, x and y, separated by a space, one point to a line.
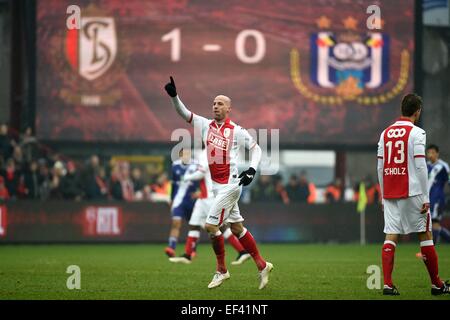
362 199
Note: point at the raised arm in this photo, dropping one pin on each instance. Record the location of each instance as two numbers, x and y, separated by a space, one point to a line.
176 101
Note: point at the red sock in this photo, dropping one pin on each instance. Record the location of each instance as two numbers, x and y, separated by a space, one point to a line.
219 250
387 255
249 244
191 242
233 240
431 261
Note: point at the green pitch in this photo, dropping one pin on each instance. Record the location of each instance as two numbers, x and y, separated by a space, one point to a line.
143 272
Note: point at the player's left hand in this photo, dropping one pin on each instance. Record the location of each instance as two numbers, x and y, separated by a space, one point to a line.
247 176
425 208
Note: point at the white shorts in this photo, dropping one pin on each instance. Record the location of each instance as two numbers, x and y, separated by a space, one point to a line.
200 212
225 207
402 216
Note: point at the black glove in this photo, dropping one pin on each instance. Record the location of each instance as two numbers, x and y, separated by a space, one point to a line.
171 89
247 176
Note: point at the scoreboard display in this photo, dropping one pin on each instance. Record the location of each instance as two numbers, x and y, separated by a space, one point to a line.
316 70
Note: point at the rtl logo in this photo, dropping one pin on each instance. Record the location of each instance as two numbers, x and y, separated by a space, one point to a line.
103 221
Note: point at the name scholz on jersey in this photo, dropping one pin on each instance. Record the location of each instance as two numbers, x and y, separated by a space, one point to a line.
394 171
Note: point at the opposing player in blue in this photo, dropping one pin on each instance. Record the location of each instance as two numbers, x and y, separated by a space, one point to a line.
182 196
438 177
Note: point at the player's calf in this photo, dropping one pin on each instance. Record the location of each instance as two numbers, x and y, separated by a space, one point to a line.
430 259
243 255
249 244
173 237
191 242
218 244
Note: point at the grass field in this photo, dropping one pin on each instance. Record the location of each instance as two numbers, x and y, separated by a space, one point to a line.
143 272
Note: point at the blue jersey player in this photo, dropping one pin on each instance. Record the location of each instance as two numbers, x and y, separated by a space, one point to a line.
438 177
182 199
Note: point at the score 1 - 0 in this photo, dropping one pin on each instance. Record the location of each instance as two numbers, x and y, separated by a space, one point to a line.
174 36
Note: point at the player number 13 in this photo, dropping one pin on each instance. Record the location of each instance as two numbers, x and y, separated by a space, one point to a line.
399 145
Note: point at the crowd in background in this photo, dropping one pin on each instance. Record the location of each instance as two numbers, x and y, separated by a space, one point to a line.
300 190
28 173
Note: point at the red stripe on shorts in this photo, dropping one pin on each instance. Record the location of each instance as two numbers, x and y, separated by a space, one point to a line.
221 216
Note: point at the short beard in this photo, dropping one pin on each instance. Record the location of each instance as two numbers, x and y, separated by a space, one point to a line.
217 119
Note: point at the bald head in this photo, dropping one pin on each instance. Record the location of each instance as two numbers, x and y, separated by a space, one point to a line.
223 98
221 107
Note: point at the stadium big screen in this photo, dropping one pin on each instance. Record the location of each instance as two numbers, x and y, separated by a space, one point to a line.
312 69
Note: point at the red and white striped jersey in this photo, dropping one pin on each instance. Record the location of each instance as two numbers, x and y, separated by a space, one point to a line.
223 142
399 144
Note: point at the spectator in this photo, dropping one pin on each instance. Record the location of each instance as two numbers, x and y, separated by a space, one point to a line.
138 183
122 187
44 179
280 189
264 190
6 142
307 189
89 181
162 188
17 156
70 184
114 177
102 191
303 188
373 191
292 189
4 194
55 184
333 192
31 181
53 158
29 144
12 178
